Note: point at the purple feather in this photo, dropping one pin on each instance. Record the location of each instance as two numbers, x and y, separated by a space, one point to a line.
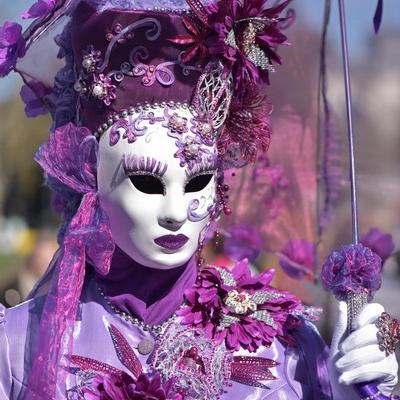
124 351
89 364
252 370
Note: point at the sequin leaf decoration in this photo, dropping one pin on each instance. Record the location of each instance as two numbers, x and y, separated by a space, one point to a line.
90 364
251 370
124 351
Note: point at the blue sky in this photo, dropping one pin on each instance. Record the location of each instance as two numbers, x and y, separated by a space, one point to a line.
359 21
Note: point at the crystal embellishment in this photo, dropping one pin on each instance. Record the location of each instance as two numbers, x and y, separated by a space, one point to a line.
240 302
264 316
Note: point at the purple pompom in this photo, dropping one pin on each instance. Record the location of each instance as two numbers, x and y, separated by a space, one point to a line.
352 268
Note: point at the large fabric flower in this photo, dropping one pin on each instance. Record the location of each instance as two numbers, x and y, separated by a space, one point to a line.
352 268
245 36
238 308
242 35
12 46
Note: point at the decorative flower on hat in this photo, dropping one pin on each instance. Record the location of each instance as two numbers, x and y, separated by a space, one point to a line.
243 35
247 33
103 89
197 34
238 308
12 46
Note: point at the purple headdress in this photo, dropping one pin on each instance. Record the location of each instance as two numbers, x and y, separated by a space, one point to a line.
118 59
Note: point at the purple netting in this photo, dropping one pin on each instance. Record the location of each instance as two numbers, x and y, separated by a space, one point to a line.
69 156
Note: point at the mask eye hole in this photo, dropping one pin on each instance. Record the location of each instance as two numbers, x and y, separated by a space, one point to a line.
148 184
198 183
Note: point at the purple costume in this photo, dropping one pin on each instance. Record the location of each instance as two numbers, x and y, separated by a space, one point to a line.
300 374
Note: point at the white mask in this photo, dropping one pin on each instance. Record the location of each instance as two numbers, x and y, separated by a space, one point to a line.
158 208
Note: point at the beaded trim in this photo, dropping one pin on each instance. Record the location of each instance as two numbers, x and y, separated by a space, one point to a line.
138 109
157 329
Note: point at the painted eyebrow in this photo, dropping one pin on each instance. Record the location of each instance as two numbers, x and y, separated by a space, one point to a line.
202 166
133 163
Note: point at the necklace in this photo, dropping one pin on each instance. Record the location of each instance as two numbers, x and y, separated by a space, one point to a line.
157 329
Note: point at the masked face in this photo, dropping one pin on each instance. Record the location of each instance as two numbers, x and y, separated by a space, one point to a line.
157 183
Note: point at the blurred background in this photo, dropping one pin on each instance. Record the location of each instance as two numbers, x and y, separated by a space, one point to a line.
28 226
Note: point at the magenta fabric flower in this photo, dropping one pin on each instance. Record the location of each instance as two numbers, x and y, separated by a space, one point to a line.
32 96
39 9
244 242
150 387
379 242
352 268
297 258
12 46
238 308
244 36
109 386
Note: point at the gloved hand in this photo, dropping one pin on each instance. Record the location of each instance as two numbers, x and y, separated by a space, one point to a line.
358 358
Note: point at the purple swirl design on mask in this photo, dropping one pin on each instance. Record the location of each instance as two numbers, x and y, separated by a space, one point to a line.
194 205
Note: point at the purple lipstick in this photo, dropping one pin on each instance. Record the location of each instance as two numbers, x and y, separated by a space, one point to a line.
171 242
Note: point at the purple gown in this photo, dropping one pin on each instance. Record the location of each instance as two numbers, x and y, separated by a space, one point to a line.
301 373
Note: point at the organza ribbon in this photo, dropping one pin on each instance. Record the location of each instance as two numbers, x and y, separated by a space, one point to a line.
70 156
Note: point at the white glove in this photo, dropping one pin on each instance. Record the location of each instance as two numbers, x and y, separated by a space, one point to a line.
358 358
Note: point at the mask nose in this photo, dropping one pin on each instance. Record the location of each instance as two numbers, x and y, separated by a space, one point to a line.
174 211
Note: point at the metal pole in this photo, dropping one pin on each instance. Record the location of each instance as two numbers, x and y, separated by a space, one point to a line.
346 72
